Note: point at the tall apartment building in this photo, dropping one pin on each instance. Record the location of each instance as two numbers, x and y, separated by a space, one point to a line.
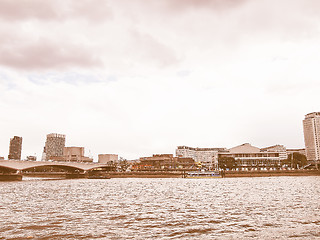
207 157
311 129
54 146
15 148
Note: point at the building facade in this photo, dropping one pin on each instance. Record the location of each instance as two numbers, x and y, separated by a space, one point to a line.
296 150
206 157
282 150
72 154
15 148
247 156
165 162
54 146
243 156
311 130
108 158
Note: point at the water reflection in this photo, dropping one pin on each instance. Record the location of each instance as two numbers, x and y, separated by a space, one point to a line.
261 208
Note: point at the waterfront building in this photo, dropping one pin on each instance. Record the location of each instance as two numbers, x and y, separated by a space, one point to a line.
296 150
206 157
283 154
165 162
108 158
247 156
72 154
15 148
311 129
54 146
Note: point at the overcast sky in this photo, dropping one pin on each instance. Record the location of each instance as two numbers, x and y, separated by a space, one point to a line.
137 77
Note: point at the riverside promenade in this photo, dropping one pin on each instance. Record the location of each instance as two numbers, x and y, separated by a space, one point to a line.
274 173
227 174
163 174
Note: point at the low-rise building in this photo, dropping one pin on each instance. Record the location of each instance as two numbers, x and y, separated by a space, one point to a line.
297 150
248 156
164 161
277 148
108 158
206 157
72 154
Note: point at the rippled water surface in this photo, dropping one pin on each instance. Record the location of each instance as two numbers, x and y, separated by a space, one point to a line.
229 208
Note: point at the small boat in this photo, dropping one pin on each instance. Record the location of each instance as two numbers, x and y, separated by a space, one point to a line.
203 174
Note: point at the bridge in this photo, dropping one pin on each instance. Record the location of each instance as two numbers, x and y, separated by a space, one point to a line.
14 166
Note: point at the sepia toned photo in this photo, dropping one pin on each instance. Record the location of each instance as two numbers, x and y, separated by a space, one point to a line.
159 119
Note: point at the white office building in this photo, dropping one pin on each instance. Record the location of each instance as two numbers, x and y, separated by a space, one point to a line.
206 157
311 129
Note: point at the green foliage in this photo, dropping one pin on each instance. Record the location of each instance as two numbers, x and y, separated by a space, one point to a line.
227 162
296 160
123 164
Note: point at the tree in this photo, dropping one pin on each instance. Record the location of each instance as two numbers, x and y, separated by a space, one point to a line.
296 160
227 162
123 164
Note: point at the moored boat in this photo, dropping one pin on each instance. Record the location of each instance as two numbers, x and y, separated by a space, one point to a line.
203 174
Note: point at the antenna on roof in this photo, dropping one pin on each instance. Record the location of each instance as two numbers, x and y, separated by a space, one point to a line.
90 155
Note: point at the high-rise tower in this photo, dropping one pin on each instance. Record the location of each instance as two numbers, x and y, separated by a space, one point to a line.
54 146
311 129
15 148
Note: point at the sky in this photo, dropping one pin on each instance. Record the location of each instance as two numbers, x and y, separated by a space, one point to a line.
136 77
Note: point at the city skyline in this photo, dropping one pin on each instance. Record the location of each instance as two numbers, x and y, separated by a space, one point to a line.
115 77
55 147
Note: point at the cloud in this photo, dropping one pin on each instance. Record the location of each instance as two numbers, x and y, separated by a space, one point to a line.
148 48
143 35
211 4
158 73
182 6
46 54
95 10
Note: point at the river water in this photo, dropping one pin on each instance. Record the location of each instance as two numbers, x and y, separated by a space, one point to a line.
228 208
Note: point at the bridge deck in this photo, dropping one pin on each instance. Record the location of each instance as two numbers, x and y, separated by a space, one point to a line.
22 165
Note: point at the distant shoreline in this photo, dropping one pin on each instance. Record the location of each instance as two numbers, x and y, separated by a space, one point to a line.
272 173
163 174
228 174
